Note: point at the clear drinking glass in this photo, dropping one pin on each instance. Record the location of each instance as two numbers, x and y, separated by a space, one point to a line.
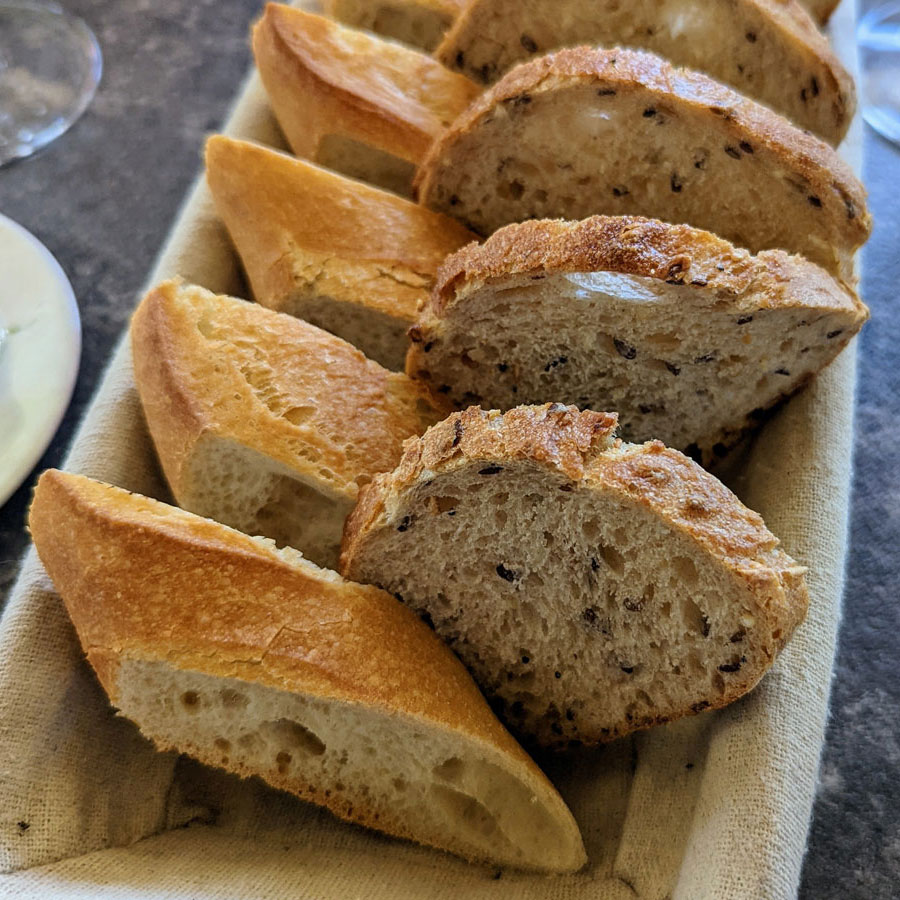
879 47
50 65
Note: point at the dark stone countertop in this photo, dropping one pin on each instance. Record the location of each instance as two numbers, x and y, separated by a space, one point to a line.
103 197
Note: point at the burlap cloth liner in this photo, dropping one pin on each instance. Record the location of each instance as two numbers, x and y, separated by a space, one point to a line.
715 806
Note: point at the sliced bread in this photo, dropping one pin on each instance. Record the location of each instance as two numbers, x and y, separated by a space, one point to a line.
264 422
352 102
253 660
421 23
688 338
768 50
622 132
592 587
345 256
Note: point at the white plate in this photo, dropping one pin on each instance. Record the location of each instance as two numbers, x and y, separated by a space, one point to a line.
39 357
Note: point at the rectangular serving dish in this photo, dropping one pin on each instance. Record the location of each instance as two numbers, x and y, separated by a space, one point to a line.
715 806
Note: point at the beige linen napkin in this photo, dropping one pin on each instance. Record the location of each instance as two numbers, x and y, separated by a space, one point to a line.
716 806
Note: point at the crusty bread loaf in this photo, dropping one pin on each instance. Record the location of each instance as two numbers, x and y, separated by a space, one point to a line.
768 50
622 132
360 105
421 23
264 422
688 338
345 256
591 587
253 660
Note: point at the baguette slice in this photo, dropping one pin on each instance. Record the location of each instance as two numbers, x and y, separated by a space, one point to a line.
345 256
591 587
421 23
628 134
353 102
768 50
253 660
264 422
688 338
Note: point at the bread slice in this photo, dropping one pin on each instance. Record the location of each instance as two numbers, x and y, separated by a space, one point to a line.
768 50
364 106
253 660
592 587
421 23
264 422
622 132
688 338
345 256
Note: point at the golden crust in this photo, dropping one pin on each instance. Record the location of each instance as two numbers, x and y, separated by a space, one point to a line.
300 228
146 581
840 196
580 447
213 366
632 245
324 79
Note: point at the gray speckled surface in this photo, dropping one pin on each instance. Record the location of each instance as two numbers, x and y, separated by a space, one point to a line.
103 197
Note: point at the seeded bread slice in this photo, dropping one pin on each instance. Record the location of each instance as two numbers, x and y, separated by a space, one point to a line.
421 23
253 660
622 132
768 50
352 102
688 338
345 256
591 587
264 422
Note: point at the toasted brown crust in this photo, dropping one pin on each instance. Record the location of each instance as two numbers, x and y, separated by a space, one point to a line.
194 383
580 447
839 195
299 227
323 78
142 580
632 245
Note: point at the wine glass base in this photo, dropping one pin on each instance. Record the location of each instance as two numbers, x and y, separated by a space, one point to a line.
879 49
50 66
